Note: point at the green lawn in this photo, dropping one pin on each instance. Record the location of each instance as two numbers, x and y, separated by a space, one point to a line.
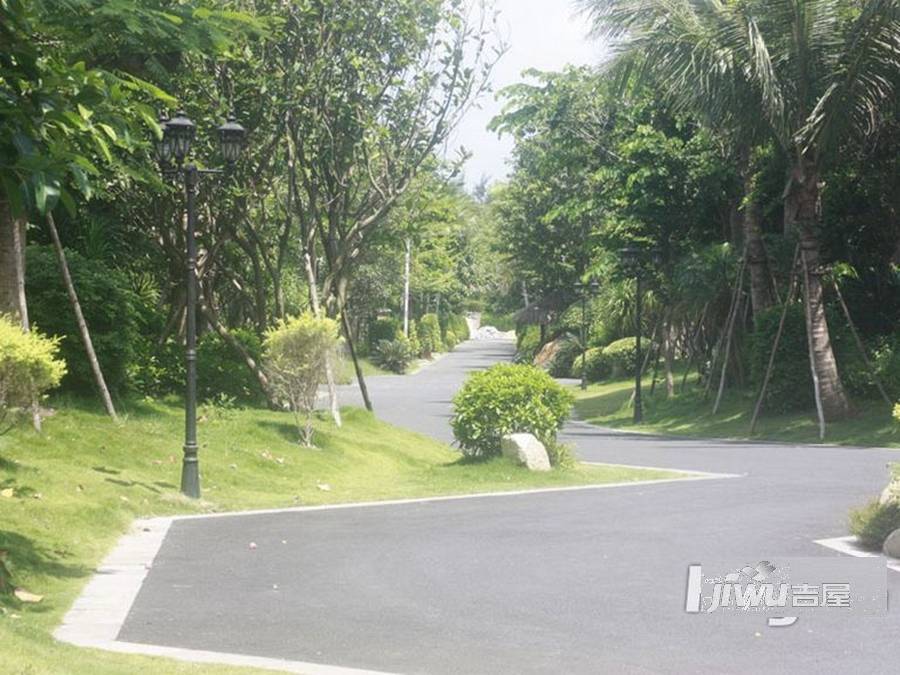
690 414
68 494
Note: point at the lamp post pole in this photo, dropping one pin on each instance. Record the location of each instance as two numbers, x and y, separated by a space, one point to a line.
174 145
638 361
583 340
190 467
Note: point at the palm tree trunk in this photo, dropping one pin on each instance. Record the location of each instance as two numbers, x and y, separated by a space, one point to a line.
801 215
99 380
406 267
761 296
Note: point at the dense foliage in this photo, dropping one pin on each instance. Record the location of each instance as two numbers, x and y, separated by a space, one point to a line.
29 366
508 399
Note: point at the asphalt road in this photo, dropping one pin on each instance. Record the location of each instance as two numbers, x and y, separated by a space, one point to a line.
567 582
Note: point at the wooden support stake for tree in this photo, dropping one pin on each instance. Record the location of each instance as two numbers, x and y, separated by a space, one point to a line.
771 364
860 346
693 346
729 329
79 319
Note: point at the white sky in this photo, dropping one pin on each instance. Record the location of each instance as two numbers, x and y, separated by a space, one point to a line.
542 34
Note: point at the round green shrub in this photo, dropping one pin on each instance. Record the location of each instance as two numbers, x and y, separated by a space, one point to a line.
110 310
29 365
383 329
430 335
874 522
393 355
620 356
597 364
504 399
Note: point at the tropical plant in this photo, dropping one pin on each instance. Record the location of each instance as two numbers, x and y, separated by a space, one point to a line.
394 355
813 71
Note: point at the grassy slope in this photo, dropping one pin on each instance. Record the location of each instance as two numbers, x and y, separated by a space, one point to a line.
77 487
690 414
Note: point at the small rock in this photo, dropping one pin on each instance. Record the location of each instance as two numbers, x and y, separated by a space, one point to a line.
24 596
232 466
325 487
7 492
892 544
526 450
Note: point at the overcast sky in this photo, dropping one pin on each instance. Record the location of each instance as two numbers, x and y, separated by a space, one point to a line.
542 34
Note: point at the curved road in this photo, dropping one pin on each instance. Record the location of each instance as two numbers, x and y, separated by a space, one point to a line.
566 582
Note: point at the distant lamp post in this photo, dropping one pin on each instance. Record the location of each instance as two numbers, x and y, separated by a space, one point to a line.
634 262
585 291
172 149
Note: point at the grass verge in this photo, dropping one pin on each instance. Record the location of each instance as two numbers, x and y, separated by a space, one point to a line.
690 414
67 495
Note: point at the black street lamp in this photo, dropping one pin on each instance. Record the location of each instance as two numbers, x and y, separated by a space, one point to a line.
634 262
584 291
172 150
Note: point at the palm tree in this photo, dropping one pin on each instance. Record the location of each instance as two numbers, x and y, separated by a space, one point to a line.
815 73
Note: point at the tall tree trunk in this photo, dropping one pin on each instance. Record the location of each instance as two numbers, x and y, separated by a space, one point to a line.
12 279
761 291
12 265
99 380
406 287
801 215
329 362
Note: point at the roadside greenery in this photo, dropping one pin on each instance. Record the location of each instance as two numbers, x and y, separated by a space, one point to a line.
506 399
70 492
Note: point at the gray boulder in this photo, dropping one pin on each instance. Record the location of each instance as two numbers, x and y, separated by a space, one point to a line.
892 544
526 450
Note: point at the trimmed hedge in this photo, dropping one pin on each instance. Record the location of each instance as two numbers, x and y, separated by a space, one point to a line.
874 522
597 364
620 356
430 335
506 399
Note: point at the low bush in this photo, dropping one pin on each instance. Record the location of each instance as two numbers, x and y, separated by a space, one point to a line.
620 354
528 343
460 327
874 522
221 370
430 335
415 345
504 399
561 455
383 329
29 366
450 340
297 352
393 355
598 365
